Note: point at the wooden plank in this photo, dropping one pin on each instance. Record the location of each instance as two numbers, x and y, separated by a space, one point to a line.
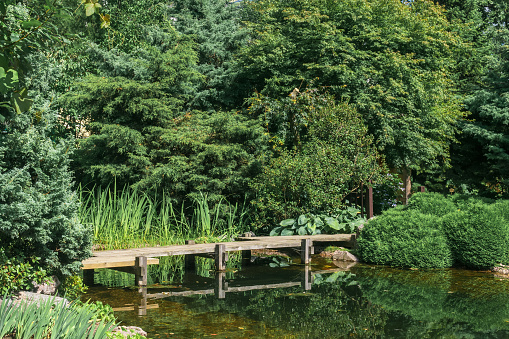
132 308
106 262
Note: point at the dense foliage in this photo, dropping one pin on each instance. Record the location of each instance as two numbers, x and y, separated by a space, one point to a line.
405 238
433 231
283 106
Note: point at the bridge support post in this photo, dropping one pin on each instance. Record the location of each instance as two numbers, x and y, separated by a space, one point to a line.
140 271
88 277
220 257
305 254
307 278
142 309
221 285
246 257
189 259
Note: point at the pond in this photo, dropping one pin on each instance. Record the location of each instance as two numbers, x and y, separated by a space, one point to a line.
275 297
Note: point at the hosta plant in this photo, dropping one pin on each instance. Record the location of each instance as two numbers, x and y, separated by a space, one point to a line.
344 221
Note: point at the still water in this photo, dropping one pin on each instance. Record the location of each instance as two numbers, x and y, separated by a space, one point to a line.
278 298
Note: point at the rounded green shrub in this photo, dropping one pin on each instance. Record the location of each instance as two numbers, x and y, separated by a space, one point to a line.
477 235
405 238
502 208
431 203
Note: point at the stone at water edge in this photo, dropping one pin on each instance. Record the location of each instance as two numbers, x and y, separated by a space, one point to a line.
48 289
344 256
129 331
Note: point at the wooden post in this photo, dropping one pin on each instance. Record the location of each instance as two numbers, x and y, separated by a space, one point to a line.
305 254
246 257
189 259
362 200
140 269
220 286
307 278
142 309
88 277
369 203
422 189
220 257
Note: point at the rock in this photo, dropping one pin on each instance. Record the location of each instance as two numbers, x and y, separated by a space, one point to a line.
40 298
501 270
129 331
344 256
49 288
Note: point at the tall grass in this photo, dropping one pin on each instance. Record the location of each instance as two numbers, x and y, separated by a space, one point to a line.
130 218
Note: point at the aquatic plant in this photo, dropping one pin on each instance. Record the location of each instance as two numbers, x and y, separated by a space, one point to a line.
131 218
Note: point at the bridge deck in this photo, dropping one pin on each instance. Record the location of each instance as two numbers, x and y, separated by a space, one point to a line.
126 258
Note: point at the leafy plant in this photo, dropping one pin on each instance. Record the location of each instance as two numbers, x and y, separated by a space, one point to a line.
339 277
51 320
73 287
100 311
345 221
17 274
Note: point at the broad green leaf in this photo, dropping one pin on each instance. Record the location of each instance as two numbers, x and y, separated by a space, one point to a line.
21 102
30 24
311 226
332 223
302 230
287 222
303 220
275 231
317 231
89 9
287 232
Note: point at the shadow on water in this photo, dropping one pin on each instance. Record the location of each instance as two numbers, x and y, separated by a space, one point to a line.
275 298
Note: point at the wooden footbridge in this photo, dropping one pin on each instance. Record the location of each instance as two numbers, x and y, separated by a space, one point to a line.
136 260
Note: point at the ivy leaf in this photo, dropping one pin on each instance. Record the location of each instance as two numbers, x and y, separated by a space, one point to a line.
92 7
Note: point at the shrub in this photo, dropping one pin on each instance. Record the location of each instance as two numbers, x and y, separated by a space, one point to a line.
477 235
38 209
502 208
404 238
431 203
17 274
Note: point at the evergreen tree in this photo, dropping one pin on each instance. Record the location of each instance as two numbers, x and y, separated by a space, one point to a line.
215 26
38 209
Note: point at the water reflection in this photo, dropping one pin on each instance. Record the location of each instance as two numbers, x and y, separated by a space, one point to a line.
279 299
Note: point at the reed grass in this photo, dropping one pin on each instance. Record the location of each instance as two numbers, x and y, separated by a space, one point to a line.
130 218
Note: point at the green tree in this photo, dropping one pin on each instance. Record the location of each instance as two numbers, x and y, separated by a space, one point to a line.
393 61
216 28
322 153
142 133
38 209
